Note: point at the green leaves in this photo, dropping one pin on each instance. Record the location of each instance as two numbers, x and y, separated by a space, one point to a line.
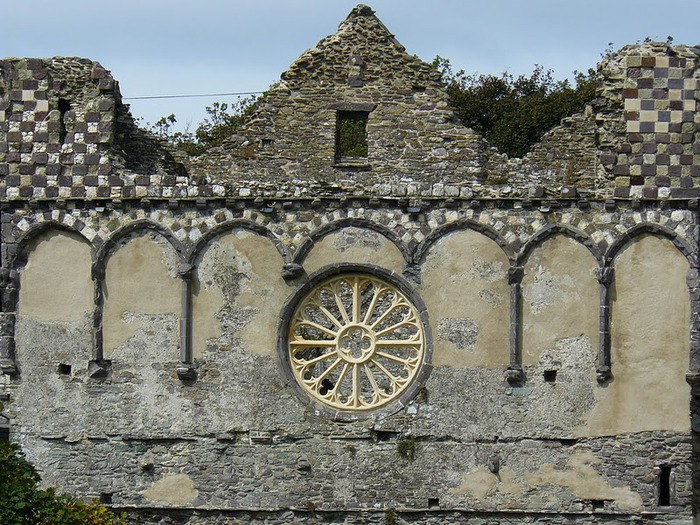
223 119
513 113
23 503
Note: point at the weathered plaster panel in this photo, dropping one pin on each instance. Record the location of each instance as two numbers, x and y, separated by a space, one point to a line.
141 285
56 285
238 292
649 343
464 283
561 297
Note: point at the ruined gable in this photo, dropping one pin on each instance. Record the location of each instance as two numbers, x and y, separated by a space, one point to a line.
410 130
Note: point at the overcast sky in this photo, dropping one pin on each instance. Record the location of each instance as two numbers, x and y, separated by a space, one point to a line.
171 47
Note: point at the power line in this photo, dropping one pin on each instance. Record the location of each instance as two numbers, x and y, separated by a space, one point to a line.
195 95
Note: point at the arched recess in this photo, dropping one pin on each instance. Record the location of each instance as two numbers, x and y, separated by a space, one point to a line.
464 283
237 291
55 303
353 240
238 224
559 229
560 303
655 229
141 293
649 337
463 224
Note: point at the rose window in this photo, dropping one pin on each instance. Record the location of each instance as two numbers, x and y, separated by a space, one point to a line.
355 342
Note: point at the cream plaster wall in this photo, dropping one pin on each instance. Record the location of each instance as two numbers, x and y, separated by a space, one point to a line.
239 291
355 245
650 333
56 283
464 283
561 297
140 279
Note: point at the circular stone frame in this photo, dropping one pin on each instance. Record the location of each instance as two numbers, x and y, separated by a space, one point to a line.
354 343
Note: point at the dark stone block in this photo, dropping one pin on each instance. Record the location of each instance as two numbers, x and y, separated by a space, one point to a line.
40 158
104 191
685 193
648 147
79 170
662 181
51 192
38 181
26 191
92 159
674 171
637 180
686 160
92 138
686 182
663 159
113 180
53 169
90 180
650 193
142 180
77 191
65 180
648 169
645 83
621 169
27 169
662 138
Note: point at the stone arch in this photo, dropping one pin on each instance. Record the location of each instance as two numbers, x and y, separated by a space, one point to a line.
649 333
356 222
464 282
563 229
126 309
228 226
655 229
34 231
560 300
237 287
140 226
433 237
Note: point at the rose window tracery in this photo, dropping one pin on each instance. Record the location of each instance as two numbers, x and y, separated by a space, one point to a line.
355 342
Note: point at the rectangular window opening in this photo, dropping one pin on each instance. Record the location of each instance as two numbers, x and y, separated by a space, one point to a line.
351 136
664 495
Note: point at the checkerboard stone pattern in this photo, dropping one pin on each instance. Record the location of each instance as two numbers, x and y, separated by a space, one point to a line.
46 151
661 157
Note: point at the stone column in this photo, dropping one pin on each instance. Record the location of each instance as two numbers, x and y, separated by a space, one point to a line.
9 281
186 370
605 277
514 372
693 378
98 367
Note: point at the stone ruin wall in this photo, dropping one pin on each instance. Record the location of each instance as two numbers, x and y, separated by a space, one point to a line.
142 296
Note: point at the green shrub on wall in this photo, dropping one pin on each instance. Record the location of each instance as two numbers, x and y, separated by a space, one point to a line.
23 503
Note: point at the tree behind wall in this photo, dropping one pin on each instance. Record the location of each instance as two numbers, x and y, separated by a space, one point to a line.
513 113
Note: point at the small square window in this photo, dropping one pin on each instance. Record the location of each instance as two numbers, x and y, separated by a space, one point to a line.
351 136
